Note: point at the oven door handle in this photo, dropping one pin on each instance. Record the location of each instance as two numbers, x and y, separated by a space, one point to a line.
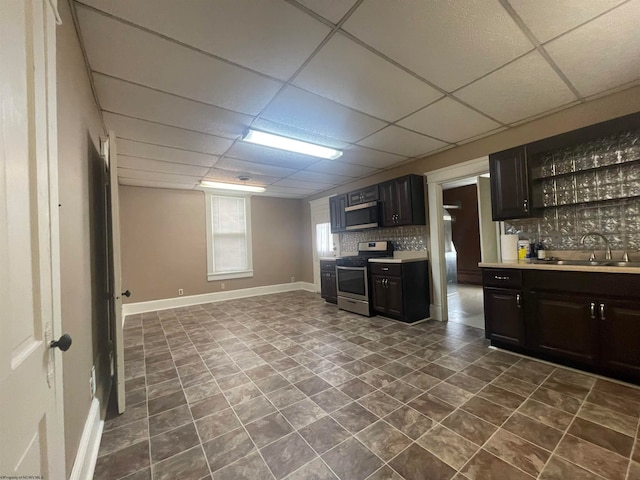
350 268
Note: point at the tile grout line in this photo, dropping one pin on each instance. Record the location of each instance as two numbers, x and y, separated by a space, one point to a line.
634 445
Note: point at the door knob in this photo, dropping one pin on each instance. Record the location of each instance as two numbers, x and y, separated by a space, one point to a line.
126 293
63 343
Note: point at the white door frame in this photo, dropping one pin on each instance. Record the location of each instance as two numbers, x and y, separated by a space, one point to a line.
435 180
319 210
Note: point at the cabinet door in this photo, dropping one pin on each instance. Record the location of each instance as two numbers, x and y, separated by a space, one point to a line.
509 184
564 325
336 212
620 337
364 195
403 201
393 285
327 285
378 293
504 317
332 286
389 203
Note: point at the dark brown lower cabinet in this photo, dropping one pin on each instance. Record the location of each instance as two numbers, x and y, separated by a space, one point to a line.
619 323
581 319
564 326
400 290
328 286
504 315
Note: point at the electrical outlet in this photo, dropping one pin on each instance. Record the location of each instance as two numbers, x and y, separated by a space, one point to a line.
92 382
222 286
180 292
293 279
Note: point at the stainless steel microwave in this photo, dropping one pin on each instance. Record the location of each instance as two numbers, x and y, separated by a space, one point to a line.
364 215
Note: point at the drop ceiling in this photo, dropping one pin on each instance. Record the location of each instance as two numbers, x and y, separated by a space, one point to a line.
385 81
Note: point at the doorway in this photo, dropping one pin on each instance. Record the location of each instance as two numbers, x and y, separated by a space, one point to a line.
462 251
462 235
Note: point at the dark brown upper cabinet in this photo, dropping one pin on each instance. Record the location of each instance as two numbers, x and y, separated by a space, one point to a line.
364 195
509 184
336 213
403 201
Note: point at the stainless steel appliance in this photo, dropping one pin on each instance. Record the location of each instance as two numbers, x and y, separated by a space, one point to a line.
352 276
364 215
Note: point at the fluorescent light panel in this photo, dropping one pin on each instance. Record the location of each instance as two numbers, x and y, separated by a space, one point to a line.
231 186
284 143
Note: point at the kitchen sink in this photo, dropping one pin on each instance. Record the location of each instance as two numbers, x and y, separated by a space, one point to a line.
590 263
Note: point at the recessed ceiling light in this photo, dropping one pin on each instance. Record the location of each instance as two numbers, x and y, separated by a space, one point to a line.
231 186
284 143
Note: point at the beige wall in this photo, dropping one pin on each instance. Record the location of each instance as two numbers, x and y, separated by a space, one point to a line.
164 244
82 241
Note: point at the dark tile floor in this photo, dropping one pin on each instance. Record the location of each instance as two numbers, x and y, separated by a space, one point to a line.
285 386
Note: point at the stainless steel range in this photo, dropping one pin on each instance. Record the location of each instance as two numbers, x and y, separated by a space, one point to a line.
352 278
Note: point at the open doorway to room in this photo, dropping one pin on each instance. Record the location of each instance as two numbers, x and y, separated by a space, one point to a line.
462 251
462 235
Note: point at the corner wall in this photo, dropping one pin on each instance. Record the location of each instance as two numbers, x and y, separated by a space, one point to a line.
164 247
82 235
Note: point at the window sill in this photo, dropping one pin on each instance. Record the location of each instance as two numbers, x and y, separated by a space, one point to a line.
212 277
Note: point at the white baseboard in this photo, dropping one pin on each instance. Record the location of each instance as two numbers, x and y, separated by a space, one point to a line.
165 303
87 454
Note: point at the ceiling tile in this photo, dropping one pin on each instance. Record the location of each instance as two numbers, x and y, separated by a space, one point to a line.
449 120
612 57
237 165
338 167
157 176
332 10
319 116
270 36
125 98
320 177
302 184
370 158
549 18
221 175
401 142
136 163
448 43
134 182
155 152
270 156
524 88
153 61
149 132
343 71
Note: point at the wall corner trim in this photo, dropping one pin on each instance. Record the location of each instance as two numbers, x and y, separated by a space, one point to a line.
175 302
87 455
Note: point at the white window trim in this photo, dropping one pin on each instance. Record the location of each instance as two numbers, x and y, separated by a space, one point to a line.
211 276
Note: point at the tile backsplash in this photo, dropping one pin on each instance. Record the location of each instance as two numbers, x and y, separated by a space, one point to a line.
412 238
560 228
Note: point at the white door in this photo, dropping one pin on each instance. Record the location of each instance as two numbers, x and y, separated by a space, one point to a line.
31 413
115 284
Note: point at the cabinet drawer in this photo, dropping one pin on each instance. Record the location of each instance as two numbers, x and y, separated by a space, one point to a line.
393 269
507 278
327 265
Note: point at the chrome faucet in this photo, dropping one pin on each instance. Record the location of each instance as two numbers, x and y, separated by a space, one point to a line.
607 255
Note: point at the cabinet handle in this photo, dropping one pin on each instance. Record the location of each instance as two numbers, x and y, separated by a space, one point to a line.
518 303
593 310
498 277
385 269
525 205
602 317
386 283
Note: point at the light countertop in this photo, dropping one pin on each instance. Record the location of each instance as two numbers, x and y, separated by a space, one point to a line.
563 268
398 260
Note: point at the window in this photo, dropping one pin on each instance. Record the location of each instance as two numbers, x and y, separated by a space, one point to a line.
228 237
324 240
